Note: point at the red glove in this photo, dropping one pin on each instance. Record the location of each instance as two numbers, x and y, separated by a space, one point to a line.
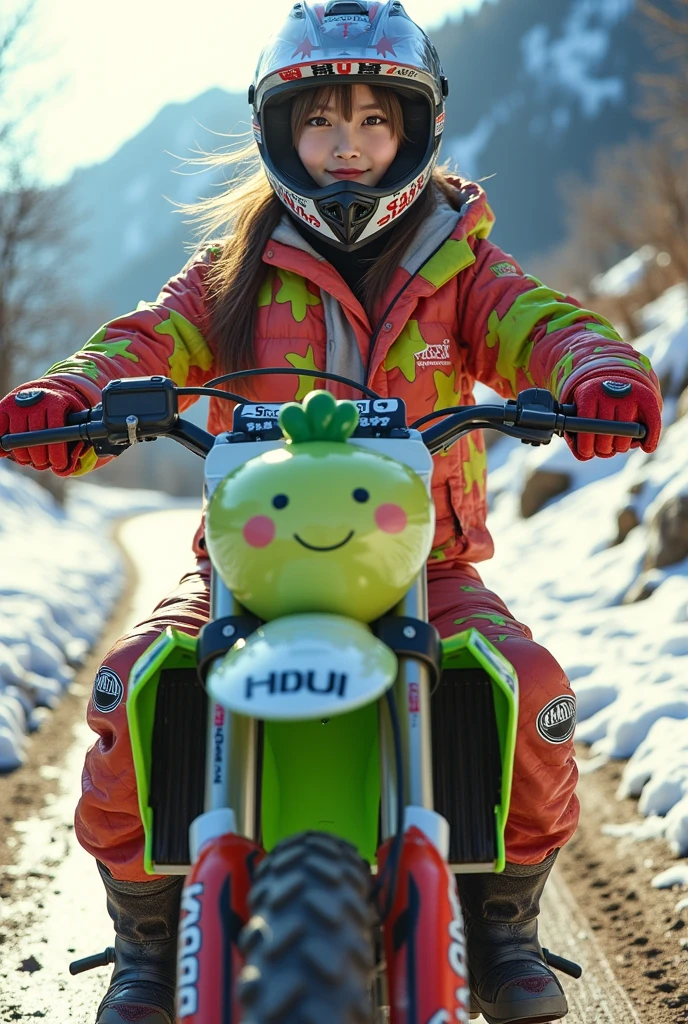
615 398
40 405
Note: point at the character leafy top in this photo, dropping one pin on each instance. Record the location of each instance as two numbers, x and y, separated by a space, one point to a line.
320 418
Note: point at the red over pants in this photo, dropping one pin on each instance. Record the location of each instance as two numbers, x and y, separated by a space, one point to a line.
544 808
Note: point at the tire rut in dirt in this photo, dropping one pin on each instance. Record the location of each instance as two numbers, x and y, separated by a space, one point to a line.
308 945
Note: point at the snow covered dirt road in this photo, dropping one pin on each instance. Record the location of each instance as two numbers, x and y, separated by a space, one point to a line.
52 904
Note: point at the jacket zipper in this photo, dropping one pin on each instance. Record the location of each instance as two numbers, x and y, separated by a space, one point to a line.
383 319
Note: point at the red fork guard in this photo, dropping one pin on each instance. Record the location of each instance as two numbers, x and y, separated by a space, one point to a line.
424 938
214 910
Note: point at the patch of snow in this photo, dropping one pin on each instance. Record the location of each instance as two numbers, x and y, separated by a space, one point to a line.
61 575
676 875
677 827
569 62
651 828
624 276
465 150
665 342
89 504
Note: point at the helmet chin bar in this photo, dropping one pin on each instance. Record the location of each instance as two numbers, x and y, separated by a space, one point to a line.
347 215
346 218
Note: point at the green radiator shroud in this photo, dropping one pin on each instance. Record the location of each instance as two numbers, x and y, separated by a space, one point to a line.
321 775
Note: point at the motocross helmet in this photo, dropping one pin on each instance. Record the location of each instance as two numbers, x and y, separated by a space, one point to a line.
345 42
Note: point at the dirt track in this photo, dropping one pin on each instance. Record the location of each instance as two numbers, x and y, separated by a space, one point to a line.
51 906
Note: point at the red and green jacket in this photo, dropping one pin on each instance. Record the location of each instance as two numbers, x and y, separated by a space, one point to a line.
467 314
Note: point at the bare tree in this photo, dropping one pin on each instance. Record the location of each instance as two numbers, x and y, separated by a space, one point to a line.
635 205
36 314
666 92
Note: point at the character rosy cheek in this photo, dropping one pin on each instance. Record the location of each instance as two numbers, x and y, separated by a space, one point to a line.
390 518
259 531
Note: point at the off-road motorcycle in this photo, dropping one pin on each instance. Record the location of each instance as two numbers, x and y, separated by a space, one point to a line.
318 763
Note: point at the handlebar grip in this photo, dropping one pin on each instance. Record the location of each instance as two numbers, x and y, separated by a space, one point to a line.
582 425
33 438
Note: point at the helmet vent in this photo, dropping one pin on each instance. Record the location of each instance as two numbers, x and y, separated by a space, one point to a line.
333 211
360 212
353 214
338 7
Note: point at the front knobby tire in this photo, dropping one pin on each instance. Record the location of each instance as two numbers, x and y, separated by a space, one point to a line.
308 946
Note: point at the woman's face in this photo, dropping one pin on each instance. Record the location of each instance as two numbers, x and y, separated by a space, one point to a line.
332 149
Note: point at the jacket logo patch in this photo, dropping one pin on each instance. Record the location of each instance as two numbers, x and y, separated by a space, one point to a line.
557 720
434 355
108 690
504 269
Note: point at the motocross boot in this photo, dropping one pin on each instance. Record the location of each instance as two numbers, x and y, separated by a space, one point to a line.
146 917
510 981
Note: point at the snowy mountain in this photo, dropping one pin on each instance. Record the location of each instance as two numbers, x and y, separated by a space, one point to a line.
537 89
131 238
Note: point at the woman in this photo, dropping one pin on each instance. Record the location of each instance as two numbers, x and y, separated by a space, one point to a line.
350 253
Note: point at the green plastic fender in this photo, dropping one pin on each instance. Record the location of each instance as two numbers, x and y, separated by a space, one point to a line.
323 775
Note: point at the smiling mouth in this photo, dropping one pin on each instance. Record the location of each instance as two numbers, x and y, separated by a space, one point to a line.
347 174
332 547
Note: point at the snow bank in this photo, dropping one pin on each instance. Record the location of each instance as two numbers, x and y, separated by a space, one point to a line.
563 572
60 576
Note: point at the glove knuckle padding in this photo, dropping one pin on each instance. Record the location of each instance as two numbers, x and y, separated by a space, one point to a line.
51 410
637 404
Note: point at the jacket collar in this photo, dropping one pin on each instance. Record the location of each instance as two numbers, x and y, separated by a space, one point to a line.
291 251
439 250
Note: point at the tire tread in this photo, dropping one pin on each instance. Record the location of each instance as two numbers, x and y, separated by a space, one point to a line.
308 944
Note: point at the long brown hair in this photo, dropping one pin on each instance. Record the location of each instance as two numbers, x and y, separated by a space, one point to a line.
251 210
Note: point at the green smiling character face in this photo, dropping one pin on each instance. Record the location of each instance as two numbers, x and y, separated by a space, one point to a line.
321 525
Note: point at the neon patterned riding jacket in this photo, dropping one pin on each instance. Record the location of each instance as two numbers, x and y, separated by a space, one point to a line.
460 313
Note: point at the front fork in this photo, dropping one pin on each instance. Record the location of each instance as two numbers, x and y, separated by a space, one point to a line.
213 912
427 976
425 952
224 856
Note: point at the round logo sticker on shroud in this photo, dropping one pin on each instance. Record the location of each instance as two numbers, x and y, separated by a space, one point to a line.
108 690
557 720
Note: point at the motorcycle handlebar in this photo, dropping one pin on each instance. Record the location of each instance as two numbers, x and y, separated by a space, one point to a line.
532 423
535 424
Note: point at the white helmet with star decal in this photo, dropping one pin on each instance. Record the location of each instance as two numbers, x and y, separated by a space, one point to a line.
348 42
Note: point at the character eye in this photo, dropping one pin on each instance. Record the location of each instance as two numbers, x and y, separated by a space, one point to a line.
360 494
280 501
